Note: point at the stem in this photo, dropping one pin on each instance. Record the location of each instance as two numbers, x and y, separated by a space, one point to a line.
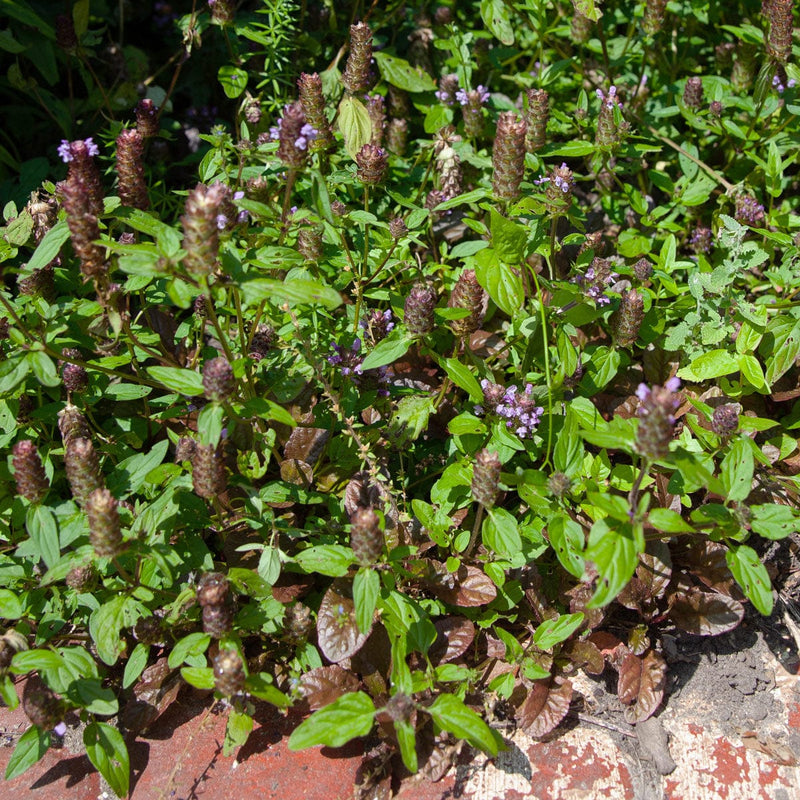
364 263
476 527
223 340
123 572
548 376
633 495
551 257
702 164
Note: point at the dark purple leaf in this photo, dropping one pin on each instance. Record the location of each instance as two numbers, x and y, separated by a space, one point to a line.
454 636
337 631
545 706
323 685
705 613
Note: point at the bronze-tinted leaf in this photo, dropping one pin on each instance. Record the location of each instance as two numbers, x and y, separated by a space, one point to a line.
337 631
655 568
323 685
706 560
579 595
306 444
153 693
454 635
586 655
360 493
467 587
545 706
641 684
705 613
297 472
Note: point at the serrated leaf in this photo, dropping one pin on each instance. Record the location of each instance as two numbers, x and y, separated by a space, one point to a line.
454 635
509 238
294 292
467 587
346 718
773 521
614 553
321 686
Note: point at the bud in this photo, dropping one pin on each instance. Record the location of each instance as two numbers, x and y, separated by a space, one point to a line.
309 242
609 134
218 380
366 536
580 28
29 474
83 578
213 589
222 11
147 118
558 190
252 110
43 707
448 86
66 38
43 209
443 15
701 240
715 108
397 136
656 419
74 376
744 67
41 283
83 469
693 92
208 471
72 424
508 156
653 16
356 72
229 674
536 116
83 227
294 134
262 342
749 211
467 293
627 320
200 231
377 117
781 26
397 227
148 630
218 620
418 309
725 420
486 478
372 164
642 269
130 170
184 449
298 622
472 103
312 102
338 208
104 529
559 484
400 707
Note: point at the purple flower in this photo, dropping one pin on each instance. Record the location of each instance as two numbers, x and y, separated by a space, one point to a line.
479 96
518 409
609 100
596 279
60 729
307 134
65 149
779 85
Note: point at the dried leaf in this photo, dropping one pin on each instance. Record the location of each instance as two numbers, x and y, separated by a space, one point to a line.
323 685
337 631
545 706
705 613
641 685
306 444
468 587
454 636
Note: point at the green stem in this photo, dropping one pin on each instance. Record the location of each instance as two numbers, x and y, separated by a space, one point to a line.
548 376
476 527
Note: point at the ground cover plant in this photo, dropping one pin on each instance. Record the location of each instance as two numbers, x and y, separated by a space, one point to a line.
393 362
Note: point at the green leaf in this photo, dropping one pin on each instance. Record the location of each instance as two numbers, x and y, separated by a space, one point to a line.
780 347
614 553
462 377
294 292
567 540
588 9
500 280
107 751
135 664
495 17
237 731
48 248
709 365
413 413
751 371
259 686
195 644
43 530
43 368
751 574
554 631
773 521
269 565
366 589
451 715
90 694
8 694
568 452
575 149
233 80
355 124
500 532
332 560
199 677
668 521
408 746
736 470
10 606
130 474
183 381
105 624
210 422
401 74
388 350
32 745
346 718
509 238
39 659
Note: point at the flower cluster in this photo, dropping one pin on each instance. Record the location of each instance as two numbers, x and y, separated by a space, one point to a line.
656 418
519 409
349 359
448 89
596 279
779 85
749 211
377 326
476 96
701 239
308 133
67 150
